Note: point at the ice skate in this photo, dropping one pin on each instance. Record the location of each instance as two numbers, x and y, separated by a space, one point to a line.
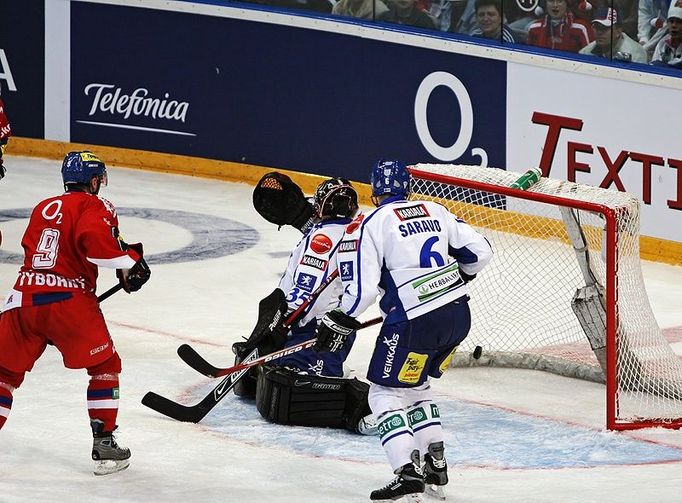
408 485
435 471
109 457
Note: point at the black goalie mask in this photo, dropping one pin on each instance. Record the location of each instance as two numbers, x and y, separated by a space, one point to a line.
336 198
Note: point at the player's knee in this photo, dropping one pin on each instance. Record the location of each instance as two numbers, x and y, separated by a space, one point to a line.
10 380
384 398
110 366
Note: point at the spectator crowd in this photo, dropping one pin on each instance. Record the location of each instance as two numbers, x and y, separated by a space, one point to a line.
629 31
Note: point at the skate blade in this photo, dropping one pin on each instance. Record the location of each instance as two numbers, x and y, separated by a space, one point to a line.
434 491
109 466
408 498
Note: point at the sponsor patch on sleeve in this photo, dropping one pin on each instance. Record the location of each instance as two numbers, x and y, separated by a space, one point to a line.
305 281
315 262
348 246
353 226
346 271
320 244
410 212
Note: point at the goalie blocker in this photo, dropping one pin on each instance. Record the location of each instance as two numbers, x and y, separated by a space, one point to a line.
284 396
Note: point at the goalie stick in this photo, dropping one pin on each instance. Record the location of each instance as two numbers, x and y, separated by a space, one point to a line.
195 413
198 363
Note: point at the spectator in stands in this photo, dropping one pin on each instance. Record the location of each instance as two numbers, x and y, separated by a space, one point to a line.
454 16
407 13
668 52
627 9
610 41
651 24
373 10
489 20
519 15
559 29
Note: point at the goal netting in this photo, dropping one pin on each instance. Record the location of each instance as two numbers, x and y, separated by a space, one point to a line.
564 292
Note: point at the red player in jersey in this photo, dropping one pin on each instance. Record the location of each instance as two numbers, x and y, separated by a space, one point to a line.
53 300
5 133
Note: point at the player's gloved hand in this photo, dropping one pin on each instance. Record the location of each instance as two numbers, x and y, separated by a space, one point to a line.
132 279
333 331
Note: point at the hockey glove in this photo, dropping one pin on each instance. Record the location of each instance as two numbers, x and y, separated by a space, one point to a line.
333 331
280 201
132 279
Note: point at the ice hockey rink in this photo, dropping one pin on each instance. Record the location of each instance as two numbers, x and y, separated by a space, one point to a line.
511 435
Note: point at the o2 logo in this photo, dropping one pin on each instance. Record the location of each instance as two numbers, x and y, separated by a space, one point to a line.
421 101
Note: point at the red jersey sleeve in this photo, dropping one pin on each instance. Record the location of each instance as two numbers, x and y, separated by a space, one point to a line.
97 236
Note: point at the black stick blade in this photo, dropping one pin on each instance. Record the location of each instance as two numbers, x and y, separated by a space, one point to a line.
177 411
189 355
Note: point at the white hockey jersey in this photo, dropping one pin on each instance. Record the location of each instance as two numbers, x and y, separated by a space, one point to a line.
313 259
411 253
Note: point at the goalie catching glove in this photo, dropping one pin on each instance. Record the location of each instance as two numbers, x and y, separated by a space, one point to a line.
333 331
132 279
280 201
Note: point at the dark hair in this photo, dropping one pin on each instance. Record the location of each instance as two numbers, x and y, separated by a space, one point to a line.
485 3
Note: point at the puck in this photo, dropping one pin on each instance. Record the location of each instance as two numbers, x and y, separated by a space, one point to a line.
478 351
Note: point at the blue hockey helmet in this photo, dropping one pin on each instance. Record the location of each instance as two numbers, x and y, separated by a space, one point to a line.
390 177
81 167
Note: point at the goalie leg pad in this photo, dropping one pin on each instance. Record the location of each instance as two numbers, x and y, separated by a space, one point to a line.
286 397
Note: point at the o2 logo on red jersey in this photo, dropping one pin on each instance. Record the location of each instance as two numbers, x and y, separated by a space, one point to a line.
320 244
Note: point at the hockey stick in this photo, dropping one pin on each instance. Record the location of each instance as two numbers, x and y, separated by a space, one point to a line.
189 355
198 363
109 292
196 413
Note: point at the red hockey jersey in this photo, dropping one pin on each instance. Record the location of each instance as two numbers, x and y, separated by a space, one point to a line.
67 238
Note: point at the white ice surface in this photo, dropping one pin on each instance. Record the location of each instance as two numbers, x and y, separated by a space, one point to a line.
511 435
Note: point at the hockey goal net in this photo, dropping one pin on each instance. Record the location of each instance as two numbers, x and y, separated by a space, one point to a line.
564 292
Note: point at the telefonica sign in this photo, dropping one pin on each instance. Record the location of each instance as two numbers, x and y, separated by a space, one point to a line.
111 99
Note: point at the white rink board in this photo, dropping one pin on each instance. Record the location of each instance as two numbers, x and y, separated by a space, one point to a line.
612 113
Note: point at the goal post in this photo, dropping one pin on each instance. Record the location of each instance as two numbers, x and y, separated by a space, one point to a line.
564 292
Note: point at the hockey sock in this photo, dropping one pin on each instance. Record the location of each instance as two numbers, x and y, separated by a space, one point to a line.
5 402
396 438
103 399
424 419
